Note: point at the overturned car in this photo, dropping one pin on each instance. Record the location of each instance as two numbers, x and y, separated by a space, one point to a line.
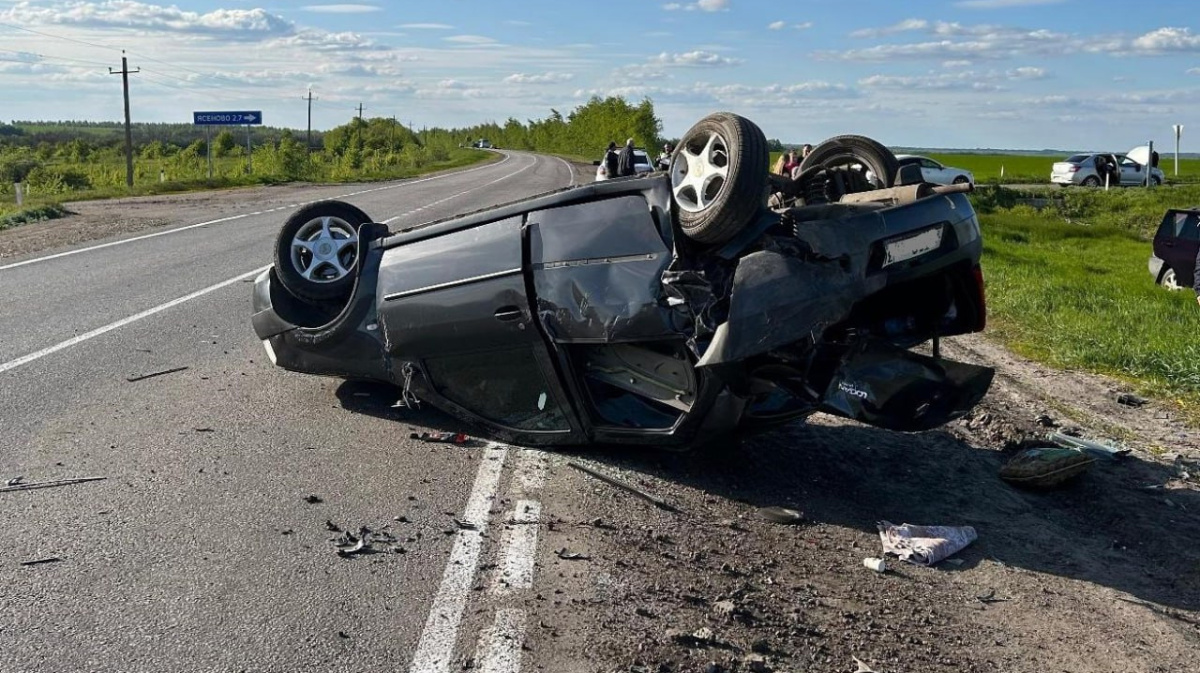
656 309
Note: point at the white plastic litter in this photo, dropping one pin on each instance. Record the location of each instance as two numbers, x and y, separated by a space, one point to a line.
924 545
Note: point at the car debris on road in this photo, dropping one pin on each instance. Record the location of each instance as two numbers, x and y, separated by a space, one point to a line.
924 545
19 485
143 377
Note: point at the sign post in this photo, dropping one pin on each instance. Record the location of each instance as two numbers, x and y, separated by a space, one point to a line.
247 118
1178 132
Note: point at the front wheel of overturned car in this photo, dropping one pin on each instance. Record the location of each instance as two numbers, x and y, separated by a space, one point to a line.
719 177
1169 281
316 251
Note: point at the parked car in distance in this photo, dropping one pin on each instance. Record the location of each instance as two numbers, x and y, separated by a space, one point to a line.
483 144
641 165
1173 260
937 173
1081 169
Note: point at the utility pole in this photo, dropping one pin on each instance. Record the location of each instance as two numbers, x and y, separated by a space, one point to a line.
360 109
392 134
308 137
124 72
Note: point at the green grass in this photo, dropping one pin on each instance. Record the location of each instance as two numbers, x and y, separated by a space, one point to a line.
14 216
1034 169
1080 296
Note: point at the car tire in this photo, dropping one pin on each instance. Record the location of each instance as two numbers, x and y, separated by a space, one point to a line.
961 180
316 251
1157 181
1170 281
851 149
719 177
1091 181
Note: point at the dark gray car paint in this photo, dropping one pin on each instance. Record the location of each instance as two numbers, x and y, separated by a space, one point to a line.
602 263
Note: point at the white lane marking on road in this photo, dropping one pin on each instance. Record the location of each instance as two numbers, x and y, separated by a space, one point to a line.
12 364
570 171
499 649
518 549
436 647
238 217
455 196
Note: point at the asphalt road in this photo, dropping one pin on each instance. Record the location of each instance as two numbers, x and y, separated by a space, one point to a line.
207 547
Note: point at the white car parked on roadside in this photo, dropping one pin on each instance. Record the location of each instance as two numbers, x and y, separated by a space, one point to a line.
641 165
935 172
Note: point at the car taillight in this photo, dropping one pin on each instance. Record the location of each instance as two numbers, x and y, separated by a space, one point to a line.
981 318
1072 168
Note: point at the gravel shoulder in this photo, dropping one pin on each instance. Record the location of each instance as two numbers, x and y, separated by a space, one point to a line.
1101 574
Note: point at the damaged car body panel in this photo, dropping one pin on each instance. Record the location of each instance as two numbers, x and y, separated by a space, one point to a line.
588 315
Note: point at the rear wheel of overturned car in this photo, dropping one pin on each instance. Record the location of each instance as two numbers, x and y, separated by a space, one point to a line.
719 177
858 154
316 252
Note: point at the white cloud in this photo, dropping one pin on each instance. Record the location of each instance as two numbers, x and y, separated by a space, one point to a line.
702 5
544 78
957 81
780 25
426 26
227 23
1027 72
904 26
470 39
1002 4
342 9
694 59
777 25
956 64
1167 39
981 42
1192 71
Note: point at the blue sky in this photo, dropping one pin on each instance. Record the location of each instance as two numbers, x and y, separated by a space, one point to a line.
1020 74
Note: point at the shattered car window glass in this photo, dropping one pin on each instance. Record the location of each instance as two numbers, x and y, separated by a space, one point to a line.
505 387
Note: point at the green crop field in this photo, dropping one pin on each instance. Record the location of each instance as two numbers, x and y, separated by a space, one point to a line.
1068 286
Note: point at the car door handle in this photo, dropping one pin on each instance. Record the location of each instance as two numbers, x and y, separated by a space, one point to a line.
508 313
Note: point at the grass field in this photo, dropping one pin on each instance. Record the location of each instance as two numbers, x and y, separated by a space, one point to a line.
1079 296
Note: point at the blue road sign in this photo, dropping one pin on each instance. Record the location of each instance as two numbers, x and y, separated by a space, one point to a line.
227 118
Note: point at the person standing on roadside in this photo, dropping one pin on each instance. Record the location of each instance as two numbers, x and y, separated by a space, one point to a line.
664 159
625 159
610 160
790 162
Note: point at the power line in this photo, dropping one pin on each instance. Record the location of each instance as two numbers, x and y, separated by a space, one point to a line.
61 37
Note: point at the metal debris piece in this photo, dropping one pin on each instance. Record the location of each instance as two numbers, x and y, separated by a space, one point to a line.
862 668
21 486
1093 448
989 597
657 502
465 525
203 430
14 481
142 377
313 499
782 515
568 555
331 526
1131 400
51 559
441 437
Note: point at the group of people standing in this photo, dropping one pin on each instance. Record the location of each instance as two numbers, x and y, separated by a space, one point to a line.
618 164
789 161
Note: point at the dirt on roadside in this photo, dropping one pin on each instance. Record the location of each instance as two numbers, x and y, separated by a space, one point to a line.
1100 574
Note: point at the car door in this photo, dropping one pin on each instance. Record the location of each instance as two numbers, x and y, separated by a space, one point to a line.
455 306
1177 243
933 171
1131 171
